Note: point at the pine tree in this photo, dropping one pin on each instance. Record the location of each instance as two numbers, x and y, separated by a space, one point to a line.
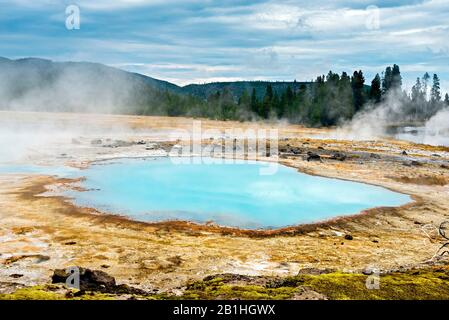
358 86
254 102
244 103
417 91
418 100
227 104
425 81
346 96
289 96
435 93
283 105
387 80
276 106
300 106
446 99
396 78
245 100
267 101
316 108
375 93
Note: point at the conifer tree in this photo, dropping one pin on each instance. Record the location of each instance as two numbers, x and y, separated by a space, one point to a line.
435 93
358 86
375 93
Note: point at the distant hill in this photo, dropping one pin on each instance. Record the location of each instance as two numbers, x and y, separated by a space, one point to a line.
39 84
43 85
238 87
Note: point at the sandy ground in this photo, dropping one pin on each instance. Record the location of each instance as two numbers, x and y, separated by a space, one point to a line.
39 234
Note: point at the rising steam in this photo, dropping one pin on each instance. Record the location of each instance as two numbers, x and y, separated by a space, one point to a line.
381 120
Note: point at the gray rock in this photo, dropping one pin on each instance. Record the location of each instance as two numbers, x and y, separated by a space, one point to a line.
96 142
349 237
311 156
95 280
340 156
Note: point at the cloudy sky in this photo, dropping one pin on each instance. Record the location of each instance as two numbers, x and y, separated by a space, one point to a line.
204 40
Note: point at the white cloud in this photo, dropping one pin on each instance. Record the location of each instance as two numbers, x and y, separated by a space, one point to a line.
275 40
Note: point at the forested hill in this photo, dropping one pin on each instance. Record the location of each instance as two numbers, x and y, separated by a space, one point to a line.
237 88
40 84
25 74
43 85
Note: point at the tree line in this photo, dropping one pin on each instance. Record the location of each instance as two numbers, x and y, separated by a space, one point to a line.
326 101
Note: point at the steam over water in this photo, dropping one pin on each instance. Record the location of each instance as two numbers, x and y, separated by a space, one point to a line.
392 119
421 135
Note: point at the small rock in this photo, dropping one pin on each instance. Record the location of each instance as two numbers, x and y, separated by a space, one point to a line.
311 156
79 293
96 142
404 153
70 243
407 164
95 280
367 271
340 156
119 144
349 237
152 146
416 163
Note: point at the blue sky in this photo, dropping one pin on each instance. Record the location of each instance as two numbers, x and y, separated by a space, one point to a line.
196 41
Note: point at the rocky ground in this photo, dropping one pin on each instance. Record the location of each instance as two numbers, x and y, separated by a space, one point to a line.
331 259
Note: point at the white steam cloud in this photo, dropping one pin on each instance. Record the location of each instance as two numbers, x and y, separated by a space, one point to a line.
394 118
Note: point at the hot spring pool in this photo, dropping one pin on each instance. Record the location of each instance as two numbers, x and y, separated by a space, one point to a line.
233 195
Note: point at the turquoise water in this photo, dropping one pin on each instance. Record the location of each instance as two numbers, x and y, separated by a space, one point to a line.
60 171
233 195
